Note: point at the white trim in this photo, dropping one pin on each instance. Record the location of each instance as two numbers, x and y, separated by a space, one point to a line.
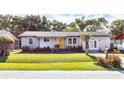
93 41
46 38
72 40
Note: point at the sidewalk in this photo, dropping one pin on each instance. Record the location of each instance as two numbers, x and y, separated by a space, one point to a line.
61 74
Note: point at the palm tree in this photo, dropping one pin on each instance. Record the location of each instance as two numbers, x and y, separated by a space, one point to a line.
85 37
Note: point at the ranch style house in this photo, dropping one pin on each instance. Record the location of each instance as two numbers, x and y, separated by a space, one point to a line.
98 41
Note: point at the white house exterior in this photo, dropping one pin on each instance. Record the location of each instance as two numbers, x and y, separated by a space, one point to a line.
118 42
39 39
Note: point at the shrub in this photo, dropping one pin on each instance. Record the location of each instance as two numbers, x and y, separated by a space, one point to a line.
116 51
38 49
101 61
57 46
7 52
4 52
27 49
111 60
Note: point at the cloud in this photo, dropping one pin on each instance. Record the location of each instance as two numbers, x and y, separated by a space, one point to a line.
67 18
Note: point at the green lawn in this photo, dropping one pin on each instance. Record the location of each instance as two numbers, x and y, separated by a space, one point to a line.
50 66
48 62
47 58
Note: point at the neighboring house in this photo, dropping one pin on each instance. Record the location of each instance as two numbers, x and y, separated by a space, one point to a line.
7 40
119 42
39 39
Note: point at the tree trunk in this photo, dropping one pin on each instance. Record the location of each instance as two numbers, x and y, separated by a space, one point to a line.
82 45
86 51
87 47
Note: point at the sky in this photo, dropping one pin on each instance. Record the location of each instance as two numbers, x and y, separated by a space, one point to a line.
65 10
67 18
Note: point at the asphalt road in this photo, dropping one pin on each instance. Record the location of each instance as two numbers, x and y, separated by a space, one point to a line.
61 74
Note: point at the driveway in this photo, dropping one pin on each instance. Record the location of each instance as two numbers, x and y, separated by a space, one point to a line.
61 75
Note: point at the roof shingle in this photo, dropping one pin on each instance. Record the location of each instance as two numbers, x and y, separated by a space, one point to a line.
60 34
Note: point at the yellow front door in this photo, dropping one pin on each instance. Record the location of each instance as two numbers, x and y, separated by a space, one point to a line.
61 42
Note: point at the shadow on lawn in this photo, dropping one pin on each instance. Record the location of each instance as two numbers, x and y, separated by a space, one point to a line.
3 58
93 57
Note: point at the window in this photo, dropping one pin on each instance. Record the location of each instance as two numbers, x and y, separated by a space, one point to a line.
46 39
69 41
30 40
94 44
74 40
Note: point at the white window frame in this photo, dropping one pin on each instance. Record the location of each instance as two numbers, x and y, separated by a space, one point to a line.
72 38
46 38
92 46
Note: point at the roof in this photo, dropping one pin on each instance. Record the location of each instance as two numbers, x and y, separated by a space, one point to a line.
60 34
7 34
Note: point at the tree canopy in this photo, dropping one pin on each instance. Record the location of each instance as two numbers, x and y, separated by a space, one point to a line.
18 24
117 27
89 25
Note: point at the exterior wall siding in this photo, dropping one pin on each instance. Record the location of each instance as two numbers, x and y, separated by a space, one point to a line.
102 42
50 44
25 42
75 45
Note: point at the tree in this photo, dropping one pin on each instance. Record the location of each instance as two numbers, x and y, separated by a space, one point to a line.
16 25
71 27
117 27
92 25
80 24
85 37
5 21
57 26
88 25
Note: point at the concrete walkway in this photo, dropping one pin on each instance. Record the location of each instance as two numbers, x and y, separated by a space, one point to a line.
61 74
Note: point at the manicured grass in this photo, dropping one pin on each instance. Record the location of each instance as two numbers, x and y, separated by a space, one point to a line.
47 58
51 66
48 62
